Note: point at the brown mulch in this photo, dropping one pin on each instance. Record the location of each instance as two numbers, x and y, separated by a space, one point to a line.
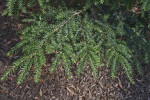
57 86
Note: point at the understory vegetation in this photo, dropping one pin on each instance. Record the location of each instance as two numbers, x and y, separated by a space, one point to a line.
114 32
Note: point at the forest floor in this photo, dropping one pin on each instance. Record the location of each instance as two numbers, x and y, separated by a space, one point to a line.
57 86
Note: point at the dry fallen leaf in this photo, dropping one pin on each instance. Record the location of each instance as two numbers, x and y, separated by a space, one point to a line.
71 91
36 98
120 84
19 26
41 93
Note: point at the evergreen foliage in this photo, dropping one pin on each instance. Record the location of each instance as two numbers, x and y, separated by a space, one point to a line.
16 6
80 35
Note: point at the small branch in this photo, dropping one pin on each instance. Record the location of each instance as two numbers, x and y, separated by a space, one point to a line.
76 13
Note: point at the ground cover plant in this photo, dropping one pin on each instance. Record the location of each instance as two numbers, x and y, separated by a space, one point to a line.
80 32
